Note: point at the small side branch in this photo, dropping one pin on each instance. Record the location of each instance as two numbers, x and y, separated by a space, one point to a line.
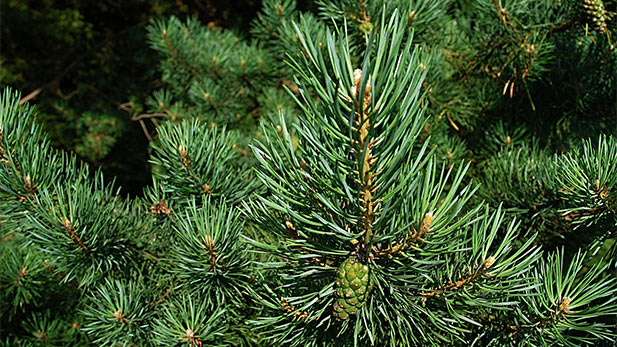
471 277
413 237
563 308
69 229
174 53
210 248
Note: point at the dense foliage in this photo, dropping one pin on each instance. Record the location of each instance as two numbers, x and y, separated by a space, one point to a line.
88 67
365 173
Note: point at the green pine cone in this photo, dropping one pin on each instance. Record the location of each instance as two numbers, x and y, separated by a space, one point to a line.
352 288
366 27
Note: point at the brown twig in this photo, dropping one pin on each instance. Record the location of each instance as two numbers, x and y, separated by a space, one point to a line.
148 115
146 132
365 149
174 53
118 316
69 228
409 242
462 281
8 236
563 26
563 307
241 150
210 248
20 274
297 315
173 116
161 299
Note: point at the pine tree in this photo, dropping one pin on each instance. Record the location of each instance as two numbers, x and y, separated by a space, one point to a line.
370 173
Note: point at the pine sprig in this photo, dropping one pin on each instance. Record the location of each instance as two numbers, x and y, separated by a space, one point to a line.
569 302
79 224
24 277
588 185
364 225
187 321
210 258
192 159
588 178
356 191
117 313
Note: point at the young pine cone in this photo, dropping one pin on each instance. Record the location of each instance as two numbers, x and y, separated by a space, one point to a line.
353 285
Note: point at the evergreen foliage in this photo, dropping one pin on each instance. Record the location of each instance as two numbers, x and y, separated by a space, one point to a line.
88 66
370 173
